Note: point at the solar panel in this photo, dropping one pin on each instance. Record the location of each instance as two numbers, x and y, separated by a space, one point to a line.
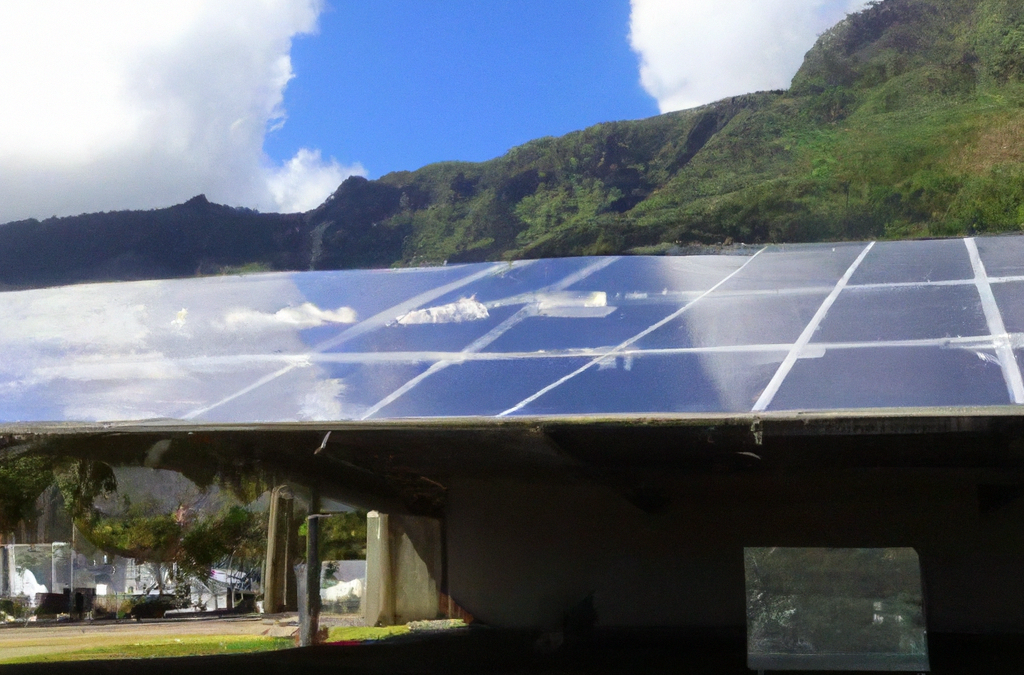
790 327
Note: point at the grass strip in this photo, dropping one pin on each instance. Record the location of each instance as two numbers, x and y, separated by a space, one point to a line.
165 647
364 633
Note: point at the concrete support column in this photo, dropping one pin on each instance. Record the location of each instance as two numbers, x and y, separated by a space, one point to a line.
378 599
275 580
403 568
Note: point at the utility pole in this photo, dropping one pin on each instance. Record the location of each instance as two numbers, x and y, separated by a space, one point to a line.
309 609
275 580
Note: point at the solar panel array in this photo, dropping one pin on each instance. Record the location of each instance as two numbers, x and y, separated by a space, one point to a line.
793 327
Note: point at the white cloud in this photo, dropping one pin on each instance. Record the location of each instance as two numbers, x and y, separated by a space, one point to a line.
464 309
305 180
324 402
694 52
306 315
113 104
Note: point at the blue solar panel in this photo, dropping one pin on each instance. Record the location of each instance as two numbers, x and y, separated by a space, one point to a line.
1010 299
795 327
672 383
479 387
734 320
925 261
893 377
1002 256
907 313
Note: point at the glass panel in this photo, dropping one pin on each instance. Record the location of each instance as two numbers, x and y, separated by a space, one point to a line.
748 319
248 346
835 609
916 313
893 377
31 569
706 382
512 279
796 266
903 261
372 291
548 333
350 390
1002 256
137 389
663 274
443 337
1010 299
476 388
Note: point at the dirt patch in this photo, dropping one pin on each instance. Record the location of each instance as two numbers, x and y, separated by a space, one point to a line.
1001 143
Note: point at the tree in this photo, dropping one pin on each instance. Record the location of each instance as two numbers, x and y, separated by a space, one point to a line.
22 480
233 533
80 483
140 531
191 544
342 536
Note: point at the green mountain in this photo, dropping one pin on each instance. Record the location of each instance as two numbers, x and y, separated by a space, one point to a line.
906 120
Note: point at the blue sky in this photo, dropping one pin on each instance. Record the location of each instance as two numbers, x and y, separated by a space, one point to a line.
140 104
397 84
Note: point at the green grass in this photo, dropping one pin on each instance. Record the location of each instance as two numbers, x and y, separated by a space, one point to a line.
204 645
364 633
165 647
367 633
248 268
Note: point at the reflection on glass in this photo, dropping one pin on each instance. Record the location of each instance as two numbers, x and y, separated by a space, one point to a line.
835 609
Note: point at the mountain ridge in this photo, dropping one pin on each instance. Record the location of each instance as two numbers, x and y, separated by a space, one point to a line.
905 120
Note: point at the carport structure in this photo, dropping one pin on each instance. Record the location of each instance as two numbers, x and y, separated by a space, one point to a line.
595 437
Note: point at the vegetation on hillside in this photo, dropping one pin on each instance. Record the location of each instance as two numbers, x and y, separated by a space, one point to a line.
906 120
189 239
